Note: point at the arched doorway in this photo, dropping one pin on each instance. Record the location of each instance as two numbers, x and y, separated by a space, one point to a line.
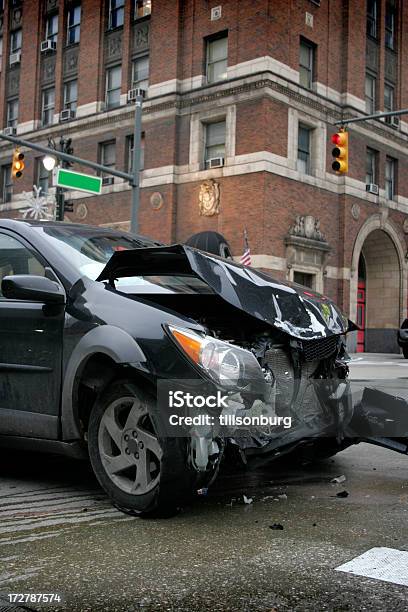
378 293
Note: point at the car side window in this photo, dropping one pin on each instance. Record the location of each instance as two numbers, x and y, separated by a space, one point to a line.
16 258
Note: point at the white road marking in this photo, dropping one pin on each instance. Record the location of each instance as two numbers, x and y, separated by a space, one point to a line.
378 363
380 563
27 516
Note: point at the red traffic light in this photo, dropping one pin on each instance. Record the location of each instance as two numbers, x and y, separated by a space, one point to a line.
339 139
340 152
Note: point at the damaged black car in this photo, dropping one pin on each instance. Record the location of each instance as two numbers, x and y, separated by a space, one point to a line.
158 362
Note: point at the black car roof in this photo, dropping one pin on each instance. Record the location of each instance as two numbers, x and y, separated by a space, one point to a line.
16 223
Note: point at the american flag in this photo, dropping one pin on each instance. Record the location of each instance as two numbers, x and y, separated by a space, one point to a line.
246 255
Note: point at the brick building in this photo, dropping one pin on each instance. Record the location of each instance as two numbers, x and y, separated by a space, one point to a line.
240 106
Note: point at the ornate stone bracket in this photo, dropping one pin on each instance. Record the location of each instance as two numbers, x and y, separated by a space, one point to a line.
306 247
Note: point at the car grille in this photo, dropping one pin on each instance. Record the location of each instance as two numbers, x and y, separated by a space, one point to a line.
315 350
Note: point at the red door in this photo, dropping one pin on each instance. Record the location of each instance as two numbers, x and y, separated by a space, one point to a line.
361 304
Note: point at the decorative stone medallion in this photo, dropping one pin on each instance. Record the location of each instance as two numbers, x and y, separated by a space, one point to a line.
156 200
355 211
81 211
405 226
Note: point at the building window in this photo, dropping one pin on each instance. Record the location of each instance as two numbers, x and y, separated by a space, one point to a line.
140 72
107 154
304 278
48 106
390 167
74 25
6 183
217 59
71 95
15 41
215 134
113 86
1 51
51 28
370 87
129 153
306 64
43 176
390 25
388 98
371 166
116 13
142 8
12 113
372 16
304 146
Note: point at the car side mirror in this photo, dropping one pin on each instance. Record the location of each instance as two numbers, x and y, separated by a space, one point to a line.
32 288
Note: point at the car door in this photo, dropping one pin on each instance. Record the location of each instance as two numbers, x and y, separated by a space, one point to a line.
30 350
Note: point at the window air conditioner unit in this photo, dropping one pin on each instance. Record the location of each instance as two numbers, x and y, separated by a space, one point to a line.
15 58
66 115
372 188
10 131
132 93
107 180
214 162
395 122
48 45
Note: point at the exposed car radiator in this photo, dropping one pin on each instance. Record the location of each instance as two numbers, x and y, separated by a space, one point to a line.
322 348
306 406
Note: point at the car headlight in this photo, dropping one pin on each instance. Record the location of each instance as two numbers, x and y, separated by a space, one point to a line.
228 365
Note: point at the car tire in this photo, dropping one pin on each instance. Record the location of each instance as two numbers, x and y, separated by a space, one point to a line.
144 474
405 351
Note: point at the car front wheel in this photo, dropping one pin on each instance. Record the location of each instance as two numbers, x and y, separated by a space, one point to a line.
143 474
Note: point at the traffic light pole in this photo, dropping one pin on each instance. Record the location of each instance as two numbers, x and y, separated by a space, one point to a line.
137 141
404 111
132 178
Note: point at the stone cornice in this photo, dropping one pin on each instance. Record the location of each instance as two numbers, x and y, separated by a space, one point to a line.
207 95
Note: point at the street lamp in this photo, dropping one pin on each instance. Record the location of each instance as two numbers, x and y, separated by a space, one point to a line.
49 162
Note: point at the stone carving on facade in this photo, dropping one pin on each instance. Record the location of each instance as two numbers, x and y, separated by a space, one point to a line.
71 61
13 81
113 46
156 200
140 37
307 227
81 211
209 198
405 226
51 5
390 66
16 18
355 211
372 54
48 69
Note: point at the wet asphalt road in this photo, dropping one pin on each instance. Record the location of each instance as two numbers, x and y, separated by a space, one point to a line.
58 533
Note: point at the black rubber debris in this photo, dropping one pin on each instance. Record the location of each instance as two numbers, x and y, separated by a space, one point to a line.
276 526
342 494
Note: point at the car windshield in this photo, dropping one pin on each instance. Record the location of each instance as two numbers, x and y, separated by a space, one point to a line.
89 250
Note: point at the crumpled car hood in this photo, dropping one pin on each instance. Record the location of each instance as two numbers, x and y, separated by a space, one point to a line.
293 309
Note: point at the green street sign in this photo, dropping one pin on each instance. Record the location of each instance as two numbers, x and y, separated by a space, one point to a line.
78 181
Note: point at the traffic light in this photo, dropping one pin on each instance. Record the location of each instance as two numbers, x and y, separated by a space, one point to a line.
17 166
68 206
340 151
